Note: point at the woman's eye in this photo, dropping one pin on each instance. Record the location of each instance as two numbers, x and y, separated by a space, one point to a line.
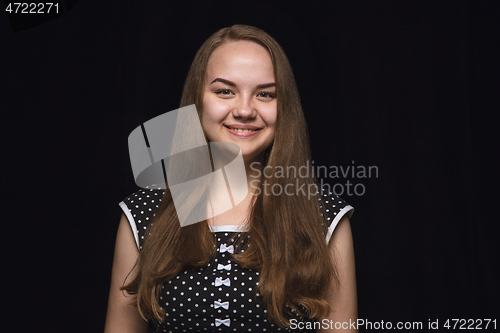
224 92
266 94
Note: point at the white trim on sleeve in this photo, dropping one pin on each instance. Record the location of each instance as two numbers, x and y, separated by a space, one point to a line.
347 209
131 221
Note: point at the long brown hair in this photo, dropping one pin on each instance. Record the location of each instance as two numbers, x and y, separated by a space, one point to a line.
287 232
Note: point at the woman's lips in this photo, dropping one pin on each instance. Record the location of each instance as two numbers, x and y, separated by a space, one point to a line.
242 131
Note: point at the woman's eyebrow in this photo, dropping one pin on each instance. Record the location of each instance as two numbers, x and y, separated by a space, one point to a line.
229 83
266 85
232 84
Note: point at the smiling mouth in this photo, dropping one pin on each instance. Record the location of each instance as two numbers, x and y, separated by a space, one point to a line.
241 130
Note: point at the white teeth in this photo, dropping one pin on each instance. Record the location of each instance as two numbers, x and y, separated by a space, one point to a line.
240 130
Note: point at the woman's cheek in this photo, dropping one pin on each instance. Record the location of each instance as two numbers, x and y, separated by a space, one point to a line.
270 116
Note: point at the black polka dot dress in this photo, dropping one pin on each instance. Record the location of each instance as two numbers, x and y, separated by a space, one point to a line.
222 296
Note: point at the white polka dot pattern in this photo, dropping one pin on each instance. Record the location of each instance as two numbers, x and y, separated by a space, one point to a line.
220 297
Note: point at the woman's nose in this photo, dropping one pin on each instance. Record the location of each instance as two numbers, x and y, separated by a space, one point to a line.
245 109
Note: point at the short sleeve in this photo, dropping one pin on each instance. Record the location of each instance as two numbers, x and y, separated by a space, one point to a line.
140 208
335 209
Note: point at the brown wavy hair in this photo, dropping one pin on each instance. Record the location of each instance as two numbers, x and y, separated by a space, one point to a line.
287 233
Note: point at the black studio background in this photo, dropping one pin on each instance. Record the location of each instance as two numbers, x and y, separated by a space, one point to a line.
407 86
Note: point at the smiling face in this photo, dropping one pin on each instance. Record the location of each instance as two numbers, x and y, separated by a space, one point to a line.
239 98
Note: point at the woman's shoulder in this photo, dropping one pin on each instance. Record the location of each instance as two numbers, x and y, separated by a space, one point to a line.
140 208
334 208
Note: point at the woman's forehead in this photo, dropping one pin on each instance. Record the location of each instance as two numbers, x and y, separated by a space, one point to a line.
241 60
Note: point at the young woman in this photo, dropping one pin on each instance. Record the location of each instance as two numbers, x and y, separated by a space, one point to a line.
273 262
